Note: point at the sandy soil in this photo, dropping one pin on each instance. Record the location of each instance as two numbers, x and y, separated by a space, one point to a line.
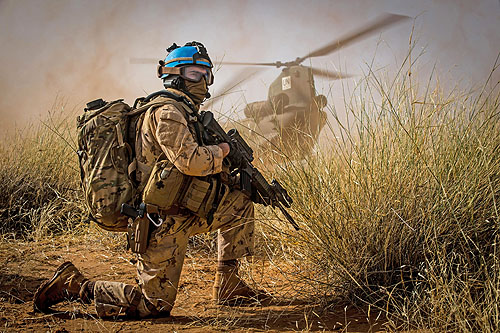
24 265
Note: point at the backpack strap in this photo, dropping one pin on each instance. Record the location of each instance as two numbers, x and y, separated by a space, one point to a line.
119 134
136 165
192 117
168 94
134 123
144 104
182 103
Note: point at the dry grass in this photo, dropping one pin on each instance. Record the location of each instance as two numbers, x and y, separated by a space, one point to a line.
39 180
399 213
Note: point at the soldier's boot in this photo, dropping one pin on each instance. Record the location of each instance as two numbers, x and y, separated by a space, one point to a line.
66 284
228 286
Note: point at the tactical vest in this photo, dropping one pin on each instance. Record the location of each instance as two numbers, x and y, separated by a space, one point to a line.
165 190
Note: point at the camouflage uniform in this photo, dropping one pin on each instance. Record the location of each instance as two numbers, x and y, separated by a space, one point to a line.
164 129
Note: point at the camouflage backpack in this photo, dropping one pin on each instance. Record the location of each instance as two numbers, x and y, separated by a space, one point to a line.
106 154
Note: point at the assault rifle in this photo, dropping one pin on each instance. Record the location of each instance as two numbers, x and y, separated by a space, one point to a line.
239 160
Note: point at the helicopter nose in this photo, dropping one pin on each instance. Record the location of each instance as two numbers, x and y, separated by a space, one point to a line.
280 101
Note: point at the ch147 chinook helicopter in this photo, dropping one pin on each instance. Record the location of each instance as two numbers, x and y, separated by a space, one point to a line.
291 119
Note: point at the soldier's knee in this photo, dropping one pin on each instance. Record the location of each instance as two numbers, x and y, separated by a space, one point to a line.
141 307
129 302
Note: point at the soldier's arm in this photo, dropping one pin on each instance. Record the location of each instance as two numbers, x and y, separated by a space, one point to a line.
181 148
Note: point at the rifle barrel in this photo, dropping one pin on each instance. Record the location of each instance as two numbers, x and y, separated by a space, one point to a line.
288 217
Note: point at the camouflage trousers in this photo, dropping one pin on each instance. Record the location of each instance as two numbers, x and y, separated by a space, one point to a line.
159 268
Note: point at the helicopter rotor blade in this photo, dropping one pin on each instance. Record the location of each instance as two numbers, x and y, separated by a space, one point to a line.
332 75
143 61
238 78
250 63
381 22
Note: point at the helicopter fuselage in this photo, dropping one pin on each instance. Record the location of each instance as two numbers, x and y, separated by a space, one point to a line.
293 115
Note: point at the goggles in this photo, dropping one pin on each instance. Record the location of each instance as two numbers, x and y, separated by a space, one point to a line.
192 73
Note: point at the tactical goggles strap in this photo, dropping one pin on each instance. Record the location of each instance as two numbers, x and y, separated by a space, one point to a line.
168 70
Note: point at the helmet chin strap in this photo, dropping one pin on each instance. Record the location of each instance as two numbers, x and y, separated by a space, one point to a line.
176 82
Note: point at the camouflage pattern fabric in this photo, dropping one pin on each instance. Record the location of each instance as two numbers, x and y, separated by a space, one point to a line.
159 269
165 130
104 159
114 299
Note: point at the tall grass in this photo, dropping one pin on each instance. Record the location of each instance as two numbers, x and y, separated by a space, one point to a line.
39 180
400 210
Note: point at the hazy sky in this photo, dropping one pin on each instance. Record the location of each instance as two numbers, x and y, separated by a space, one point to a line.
80 50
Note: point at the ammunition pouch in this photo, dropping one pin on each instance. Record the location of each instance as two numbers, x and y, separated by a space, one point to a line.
174 193
164 186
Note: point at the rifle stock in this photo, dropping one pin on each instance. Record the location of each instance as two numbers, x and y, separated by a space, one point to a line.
240 158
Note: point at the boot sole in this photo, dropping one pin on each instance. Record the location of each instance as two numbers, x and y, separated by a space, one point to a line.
45 285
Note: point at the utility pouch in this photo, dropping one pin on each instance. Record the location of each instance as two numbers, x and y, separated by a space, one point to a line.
200 196
138 234
165 186
168 188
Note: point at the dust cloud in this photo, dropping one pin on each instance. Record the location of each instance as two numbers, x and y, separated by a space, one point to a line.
62 52
76 51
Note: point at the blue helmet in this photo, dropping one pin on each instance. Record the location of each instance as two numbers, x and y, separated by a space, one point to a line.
192 53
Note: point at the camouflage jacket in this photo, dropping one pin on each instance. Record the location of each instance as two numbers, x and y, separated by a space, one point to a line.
164 129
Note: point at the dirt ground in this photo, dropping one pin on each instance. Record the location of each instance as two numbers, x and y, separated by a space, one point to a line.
24 265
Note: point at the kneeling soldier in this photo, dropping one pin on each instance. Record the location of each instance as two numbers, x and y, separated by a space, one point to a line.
168 141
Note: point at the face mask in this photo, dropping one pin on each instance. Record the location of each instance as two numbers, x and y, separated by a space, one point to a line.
197 90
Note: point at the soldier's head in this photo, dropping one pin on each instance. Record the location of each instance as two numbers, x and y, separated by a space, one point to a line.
187 68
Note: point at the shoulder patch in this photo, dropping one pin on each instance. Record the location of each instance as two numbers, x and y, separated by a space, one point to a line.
170 112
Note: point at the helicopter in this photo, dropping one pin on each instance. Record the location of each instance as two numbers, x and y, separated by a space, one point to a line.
290 120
